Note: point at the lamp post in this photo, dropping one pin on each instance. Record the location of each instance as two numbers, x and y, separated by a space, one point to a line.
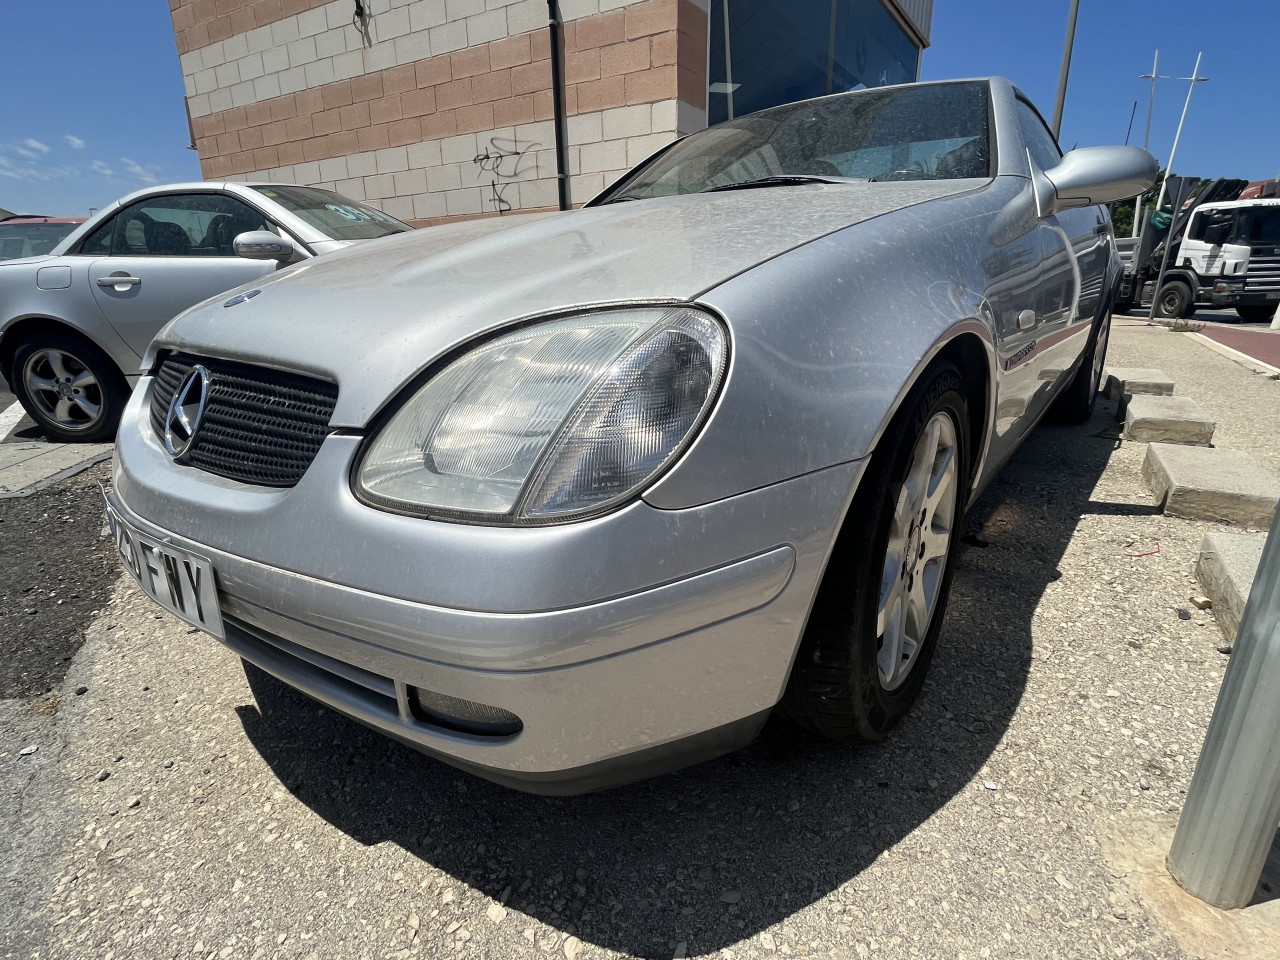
1194 78
1168 172
1066 68
1153 76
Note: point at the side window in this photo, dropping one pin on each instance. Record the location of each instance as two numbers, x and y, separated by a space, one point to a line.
185 225
98 243
1263 226
1036 137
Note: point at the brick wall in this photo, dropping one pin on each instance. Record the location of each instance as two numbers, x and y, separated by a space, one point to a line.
440 108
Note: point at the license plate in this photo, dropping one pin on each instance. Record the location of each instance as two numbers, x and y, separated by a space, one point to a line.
179 581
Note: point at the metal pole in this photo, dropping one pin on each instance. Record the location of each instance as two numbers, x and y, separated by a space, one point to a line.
831 50
1146 137
1233 804
728 65
556 27
1168 171
1066 68
1168 246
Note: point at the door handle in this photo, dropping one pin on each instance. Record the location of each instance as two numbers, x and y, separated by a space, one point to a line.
1026 319
121 281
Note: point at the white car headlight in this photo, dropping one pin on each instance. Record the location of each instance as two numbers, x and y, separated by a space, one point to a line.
552 421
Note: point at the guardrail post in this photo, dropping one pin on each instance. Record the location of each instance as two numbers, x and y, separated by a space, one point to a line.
1232 810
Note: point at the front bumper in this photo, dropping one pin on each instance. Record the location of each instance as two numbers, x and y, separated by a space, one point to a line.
675 655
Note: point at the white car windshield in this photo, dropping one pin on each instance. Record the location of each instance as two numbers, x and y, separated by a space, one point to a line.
339 217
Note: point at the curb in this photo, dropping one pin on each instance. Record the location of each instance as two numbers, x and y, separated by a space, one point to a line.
1257 366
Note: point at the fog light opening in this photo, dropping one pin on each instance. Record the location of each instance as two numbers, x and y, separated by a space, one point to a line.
462 716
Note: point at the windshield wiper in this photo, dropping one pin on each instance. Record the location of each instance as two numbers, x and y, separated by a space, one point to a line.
625 196
784 181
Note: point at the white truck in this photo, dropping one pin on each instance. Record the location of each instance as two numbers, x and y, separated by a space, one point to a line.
1231 252
1225 253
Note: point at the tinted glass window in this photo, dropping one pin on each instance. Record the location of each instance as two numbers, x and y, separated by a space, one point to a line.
188 225
781 51
335 215
1214 226
1260 226
1036 136
928 132
98 243
31 239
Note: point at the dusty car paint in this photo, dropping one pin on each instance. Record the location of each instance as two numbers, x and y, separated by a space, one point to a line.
665 629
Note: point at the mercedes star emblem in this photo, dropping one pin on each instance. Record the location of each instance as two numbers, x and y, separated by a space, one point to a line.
185 410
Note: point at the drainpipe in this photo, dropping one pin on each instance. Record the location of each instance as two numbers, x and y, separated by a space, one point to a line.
556 26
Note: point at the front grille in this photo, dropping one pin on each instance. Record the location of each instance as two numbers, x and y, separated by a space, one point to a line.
260 425
1263 273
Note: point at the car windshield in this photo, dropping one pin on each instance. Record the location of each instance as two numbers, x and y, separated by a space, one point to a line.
337 216
31 239
913 132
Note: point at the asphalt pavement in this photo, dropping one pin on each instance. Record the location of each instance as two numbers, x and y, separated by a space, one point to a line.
160 800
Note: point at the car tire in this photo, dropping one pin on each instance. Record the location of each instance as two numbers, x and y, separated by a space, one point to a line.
1257 314
1174 300
69 387
871 633
1122 306
1075 404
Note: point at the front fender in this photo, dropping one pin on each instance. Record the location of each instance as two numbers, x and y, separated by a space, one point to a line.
827 339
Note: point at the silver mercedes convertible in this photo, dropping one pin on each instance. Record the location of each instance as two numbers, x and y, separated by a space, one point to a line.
566 500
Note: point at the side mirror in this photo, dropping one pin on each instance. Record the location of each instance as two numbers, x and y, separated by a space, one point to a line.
265 245
1216 234
1092 175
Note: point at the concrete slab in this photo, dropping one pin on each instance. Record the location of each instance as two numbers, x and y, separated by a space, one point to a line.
1147 381
29 466
1159 419
1207 483
1226 567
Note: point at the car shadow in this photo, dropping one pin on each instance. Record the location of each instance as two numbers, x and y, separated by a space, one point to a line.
716 853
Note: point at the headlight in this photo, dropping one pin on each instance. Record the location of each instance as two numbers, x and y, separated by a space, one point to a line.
551 421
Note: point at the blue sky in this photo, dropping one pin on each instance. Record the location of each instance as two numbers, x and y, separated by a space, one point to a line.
92 106
1233 124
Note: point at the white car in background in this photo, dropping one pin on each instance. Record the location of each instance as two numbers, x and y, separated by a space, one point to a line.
75 323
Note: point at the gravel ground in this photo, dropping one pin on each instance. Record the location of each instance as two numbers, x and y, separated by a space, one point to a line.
182 807
57 573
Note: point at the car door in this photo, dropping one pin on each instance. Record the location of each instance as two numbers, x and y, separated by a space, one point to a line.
166 253
1015 270
1075 249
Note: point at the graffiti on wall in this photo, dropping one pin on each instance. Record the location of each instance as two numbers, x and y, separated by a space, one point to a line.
503 160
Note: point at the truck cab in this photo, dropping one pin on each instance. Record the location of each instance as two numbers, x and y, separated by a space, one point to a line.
1233 250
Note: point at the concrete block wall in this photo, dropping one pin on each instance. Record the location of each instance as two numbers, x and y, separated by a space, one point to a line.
437 109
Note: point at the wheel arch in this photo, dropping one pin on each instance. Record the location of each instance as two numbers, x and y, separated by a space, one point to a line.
968 346
22 328
1189 280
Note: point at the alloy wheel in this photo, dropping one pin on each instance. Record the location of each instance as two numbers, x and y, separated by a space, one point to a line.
64 389
915 557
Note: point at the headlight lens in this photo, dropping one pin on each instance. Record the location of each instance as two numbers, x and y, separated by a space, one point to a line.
552 421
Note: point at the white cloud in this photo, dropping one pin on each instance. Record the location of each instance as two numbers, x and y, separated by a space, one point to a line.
139 171
35 145
99 167
30 172
76 142
27 153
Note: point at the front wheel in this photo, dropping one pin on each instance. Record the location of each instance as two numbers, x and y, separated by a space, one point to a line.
1174 300
69 387
879 609
1076 402
1260 314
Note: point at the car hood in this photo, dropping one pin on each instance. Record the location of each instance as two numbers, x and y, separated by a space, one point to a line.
374 315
